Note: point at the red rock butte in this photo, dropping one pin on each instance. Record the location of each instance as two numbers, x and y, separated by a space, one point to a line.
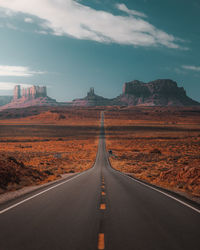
29 93
32 96
160 92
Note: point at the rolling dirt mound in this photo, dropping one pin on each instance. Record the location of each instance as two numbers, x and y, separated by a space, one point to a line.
14 174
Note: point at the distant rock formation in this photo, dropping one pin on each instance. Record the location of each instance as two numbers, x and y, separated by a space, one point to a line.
17 92
29 93
91 100
32 96
34 92
162 92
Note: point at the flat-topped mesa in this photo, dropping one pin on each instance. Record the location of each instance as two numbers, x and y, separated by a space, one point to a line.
34 92
30 93
166 87
162 86
136 88
161 92
32 96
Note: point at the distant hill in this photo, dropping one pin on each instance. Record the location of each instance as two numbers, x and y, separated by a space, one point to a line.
162 92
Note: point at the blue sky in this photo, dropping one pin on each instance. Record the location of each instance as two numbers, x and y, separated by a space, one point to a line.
70 46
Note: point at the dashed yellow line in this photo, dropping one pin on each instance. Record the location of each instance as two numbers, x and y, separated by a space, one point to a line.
101 241
102 206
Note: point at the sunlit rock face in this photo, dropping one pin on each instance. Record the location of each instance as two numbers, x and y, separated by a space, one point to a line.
33 96
29 93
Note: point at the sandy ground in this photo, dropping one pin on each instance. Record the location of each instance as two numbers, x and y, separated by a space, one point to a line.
157 145
38 145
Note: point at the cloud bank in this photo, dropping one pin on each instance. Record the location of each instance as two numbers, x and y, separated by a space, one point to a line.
6 70
71 18
11 85
124 8
28 20
191 67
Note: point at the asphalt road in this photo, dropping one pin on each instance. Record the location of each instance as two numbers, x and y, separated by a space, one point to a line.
99 209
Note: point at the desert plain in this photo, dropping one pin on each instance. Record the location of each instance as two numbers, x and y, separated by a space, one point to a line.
40 145
159 145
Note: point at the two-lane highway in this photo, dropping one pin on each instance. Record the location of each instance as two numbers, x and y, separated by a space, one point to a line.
99 209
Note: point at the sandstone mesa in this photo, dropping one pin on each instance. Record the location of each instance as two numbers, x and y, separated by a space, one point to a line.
161 92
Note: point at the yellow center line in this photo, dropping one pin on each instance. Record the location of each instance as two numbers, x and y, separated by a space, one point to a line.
102 206
103 193
101 241
103 186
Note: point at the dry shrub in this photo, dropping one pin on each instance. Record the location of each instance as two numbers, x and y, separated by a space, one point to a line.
46 144
155 150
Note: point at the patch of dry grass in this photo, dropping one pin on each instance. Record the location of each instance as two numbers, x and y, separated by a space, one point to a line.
156 150
41 152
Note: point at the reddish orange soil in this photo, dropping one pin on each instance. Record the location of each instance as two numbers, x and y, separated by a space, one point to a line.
38 148
158 145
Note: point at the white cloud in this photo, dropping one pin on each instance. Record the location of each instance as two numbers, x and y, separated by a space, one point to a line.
124 8
43 32
10 85
6 70
11 26
71 18
28 20
191 67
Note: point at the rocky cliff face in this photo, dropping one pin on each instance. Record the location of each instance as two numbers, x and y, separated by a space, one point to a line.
34 92
29 93
17 92
162 92
33 96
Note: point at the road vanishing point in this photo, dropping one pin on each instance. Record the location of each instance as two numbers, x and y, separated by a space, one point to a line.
100 208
